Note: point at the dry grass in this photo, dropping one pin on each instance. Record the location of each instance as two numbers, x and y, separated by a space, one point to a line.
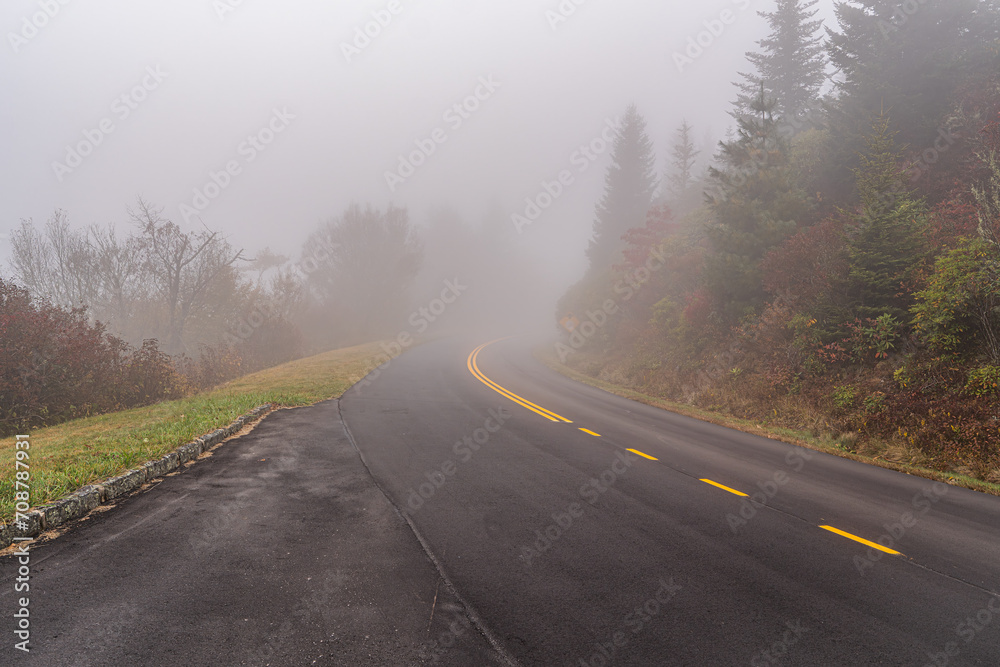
791 419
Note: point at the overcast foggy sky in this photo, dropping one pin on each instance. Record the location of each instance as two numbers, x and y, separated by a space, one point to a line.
225 76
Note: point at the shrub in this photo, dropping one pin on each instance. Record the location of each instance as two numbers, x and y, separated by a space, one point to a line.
957 311
150 376
983 381
843 397
954 429
55 365
215 365
804 268
874 403
872 339
902 377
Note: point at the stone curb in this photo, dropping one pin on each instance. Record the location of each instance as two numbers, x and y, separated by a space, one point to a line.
82 501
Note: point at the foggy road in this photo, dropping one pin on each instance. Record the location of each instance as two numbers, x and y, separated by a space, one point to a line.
784 213
586 529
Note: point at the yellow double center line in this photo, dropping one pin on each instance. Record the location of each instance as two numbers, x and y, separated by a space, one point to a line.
474 369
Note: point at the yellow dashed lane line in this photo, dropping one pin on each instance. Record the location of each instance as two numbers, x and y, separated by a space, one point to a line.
862 540
725 488
552 416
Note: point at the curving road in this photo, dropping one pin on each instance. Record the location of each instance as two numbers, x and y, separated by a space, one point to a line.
585 529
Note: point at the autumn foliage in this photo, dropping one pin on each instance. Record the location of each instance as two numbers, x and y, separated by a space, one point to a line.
55 365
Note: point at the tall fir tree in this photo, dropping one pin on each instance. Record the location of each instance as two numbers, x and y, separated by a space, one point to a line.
755 204
791 63
683 156
629 186
885 241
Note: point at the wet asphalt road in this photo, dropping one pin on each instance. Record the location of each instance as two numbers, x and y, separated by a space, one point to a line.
576 551
566 547
276 550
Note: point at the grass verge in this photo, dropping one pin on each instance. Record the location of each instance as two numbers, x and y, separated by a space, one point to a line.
66 457
802 438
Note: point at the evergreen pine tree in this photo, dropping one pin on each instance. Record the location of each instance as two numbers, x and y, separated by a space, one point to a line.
683 155
886 240
629 186
791 64
755 204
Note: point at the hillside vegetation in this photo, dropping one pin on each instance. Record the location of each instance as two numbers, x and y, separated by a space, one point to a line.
837 267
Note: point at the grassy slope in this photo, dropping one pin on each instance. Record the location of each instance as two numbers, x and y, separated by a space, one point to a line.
801 438
84 451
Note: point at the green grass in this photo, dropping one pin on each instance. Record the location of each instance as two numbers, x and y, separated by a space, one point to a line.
824 443
66 457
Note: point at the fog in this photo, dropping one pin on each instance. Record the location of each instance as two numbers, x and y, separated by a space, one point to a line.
261 120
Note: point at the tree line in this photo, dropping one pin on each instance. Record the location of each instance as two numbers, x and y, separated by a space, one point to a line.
97 320
839 254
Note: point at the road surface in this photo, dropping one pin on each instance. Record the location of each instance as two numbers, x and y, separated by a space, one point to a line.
277 550
577 551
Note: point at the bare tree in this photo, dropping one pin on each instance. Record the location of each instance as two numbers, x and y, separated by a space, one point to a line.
55 266
30 260
185 267
121 273
287 294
